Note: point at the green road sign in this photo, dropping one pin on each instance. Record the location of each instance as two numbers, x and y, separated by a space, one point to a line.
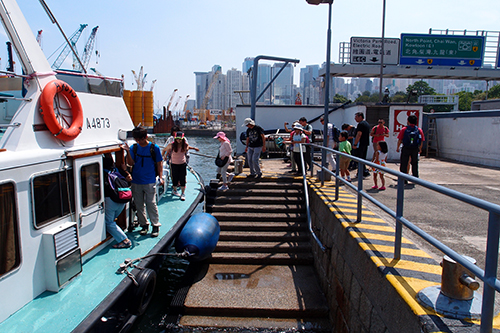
444 50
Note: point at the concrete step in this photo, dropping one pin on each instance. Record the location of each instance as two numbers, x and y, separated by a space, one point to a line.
286 199
270 185
261 216
263 247
263 236
263 208
263 258
256 291
267 226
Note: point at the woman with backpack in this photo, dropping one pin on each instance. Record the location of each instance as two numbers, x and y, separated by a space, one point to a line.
113 204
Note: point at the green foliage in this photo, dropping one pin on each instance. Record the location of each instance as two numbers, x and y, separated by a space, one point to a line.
339 99
464 100
367 98
417 89
399 97
494 92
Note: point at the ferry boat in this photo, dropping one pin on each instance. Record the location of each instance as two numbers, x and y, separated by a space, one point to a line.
58 269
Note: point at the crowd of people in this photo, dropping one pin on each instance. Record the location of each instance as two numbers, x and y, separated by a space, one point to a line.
146 161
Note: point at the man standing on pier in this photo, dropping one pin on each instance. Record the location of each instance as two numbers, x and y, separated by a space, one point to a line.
255 145
412 138
362 139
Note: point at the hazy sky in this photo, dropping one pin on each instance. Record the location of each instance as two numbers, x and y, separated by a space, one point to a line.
172 39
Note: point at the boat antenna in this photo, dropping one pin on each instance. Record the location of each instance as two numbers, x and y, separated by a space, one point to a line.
54 21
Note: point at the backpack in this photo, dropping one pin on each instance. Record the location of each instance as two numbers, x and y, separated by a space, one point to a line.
118 187
151 152
412 137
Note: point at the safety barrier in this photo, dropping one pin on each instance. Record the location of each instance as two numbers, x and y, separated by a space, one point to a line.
488 275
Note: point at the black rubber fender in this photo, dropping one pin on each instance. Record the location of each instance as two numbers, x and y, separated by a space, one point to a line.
143 293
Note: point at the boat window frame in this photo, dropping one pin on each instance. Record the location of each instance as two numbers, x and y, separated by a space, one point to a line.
100 182
16 228
72 205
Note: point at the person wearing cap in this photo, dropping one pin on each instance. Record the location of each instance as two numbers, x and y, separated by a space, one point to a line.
146 159
225 150
255 145
177 151
298 137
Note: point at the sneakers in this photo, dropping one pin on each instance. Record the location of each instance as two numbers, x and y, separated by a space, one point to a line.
230 177
251 176
144 230
258 176
155 232
382 188
348 178
183 197
374 187
174 192
223 188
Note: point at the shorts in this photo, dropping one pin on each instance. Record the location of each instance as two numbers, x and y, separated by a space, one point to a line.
378 171
344 162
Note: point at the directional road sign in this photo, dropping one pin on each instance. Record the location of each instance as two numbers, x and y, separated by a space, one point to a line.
441 50
368 50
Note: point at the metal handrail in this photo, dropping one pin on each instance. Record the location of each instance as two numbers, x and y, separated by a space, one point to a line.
488 275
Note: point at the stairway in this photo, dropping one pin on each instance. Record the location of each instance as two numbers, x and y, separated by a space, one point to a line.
261 274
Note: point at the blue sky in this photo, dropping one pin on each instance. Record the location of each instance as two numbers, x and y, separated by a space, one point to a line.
172 39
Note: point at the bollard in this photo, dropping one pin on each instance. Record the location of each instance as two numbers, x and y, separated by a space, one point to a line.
456 281
238 166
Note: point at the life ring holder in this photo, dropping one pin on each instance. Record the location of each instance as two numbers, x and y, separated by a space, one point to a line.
142 294
49 116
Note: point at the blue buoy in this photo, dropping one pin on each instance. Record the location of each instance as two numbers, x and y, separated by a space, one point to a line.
199 236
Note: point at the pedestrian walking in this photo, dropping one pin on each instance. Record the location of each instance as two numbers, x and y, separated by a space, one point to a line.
146 159
362 139
225 152
345 147
178 163
380 158
255 145
412 138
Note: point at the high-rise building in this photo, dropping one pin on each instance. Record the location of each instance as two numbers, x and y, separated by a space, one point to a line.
310 85
282 87
234 82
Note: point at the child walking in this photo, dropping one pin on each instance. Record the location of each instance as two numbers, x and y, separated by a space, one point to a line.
380 158
344 147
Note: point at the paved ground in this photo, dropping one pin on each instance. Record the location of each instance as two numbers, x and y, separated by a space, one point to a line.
460 226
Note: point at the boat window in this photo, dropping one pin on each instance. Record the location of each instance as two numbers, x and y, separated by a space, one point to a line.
53 196
91 184
9 239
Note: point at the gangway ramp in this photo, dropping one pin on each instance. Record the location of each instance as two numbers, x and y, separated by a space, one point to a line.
261 274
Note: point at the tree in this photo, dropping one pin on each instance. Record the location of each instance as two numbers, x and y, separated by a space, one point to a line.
339 99
464 100
417 89
494 92
399 97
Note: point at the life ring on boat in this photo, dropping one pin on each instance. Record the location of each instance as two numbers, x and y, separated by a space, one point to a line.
143 293
49 116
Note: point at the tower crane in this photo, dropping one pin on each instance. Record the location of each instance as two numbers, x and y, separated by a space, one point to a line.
176 103
87 51
140 79
152 85
208 94
171 98
67 49
185 106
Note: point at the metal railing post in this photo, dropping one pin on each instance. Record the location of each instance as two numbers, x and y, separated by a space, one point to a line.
399 214
490 272
360 188
337 181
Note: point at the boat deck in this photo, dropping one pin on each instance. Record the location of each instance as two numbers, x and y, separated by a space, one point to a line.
65 310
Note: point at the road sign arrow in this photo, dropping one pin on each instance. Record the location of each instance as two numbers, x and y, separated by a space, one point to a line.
462 62
420 61
374 59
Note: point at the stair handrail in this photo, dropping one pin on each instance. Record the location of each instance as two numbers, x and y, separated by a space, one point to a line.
306 195
488 275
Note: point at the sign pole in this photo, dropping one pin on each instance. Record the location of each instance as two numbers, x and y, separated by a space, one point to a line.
380 96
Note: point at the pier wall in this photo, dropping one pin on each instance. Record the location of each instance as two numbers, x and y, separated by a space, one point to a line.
360 295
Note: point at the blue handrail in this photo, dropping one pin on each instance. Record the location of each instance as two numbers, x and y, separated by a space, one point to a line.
488 275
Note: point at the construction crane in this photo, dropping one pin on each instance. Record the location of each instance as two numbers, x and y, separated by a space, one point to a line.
140 79
208 94
67 49
176 103
87 51
96 71
152 85
185 106
171 98
39 38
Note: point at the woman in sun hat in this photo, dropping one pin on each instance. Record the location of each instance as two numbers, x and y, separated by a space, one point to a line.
225 150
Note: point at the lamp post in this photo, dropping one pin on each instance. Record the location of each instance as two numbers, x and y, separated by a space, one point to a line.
383 53
327 81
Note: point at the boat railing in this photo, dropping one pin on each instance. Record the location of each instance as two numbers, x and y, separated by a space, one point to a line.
488 275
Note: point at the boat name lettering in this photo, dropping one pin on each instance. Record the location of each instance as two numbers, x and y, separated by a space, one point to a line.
98 123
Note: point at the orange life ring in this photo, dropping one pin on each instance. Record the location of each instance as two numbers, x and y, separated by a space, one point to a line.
49 117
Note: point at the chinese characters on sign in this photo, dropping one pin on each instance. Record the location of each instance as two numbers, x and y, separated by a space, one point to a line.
442 50
367 50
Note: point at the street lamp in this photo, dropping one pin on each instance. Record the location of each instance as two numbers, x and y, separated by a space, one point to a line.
327 81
